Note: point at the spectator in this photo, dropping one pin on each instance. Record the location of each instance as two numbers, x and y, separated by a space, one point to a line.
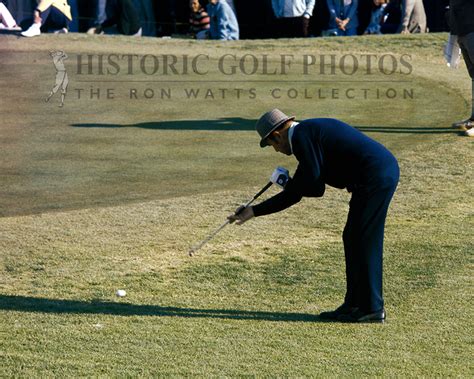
51 15
123 15
292 17
320 18
146 16
199 20
232 5
364 13
413 17
436 15
7 22
166 16
100 17
257 23
392 17
343 17
377 18
224 25
461 20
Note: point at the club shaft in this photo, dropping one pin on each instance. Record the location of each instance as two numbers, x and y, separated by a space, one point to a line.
210 236
267 186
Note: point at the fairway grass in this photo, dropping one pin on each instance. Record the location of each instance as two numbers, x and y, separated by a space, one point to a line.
100 196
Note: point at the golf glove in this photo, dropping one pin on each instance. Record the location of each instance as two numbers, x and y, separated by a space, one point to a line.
280 177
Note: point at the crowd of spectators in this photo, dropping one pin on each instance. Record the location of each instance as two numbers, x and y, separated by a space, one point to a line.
224 19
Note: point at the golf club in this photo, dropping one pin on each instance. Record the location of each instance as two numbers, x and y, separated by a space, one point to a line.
240 209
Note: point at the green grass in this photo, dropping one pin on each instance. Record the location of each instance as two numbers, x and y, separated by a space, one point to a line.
103 195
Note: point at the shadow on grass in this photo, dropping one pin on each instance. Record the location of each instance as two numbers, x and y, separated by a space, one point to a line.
11 32
42 305
237 123
406 130
222 124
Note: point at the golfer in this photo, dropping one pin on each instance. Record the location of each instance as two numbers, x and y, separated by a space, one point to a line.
333 153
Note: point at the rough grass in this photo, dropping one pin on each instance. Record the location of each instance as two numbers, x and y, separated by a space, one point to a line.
88 210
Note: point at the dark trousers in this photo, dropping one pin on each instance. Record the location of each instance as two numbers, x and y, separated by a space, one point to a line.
53 19
292 27
363 241
467 47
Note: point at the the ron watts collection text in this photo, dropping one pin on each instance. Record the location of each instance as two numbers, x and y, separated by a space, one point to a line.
196 93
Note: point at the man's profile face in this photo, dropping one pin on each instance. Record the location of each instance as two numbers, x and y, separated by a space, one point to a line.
280 143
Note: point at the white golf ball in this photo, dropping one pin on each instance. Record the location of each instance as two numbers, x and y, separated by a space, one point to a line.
121 293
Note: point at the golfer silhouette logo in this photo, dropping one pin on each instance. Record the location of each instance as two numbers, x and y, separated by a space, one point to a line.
62 79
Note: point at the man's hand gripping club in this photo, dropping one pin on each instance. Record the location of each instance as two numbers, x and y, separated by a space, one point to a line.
244 213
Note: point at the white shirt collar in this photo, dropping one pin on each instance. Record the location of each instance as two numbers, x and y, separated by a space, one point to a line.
290 134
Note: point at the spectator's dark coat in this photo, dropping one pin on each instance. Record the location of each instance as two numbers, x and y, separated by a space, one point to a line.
124 15
461 18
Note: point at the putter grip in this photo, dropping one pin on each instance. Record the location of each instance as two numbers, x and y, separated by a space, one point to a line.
267 186
242 207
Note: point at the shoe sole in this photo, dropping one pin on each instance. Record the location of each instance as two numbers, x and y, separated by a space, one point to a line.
367 319
462 128
360 322
30 36
371 322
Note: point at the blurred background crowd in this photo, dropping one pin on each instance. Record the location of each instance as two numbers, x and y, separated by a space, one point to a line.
226 19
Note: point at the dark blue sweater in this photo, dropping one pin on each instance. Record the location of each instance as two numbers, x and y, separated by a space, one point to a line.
333 153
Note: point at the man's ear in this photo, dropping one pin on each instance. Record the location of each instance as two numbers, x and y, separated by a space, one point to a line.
276 135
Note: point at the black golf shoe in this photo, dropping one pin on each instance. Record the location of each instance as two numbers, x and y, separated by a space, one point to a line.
362 317
334 315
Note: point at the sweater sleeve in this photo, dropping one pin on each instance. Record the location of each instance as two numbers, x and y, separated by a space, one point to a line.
277 203
352 9
223 21
309 7
308 180
306 183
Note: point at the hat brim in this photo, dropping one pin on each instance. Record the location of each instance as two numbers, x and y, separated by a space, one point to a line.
263 141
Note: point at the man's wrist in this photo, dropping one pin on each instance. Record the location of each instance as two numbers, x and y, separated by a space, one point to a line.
252 213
